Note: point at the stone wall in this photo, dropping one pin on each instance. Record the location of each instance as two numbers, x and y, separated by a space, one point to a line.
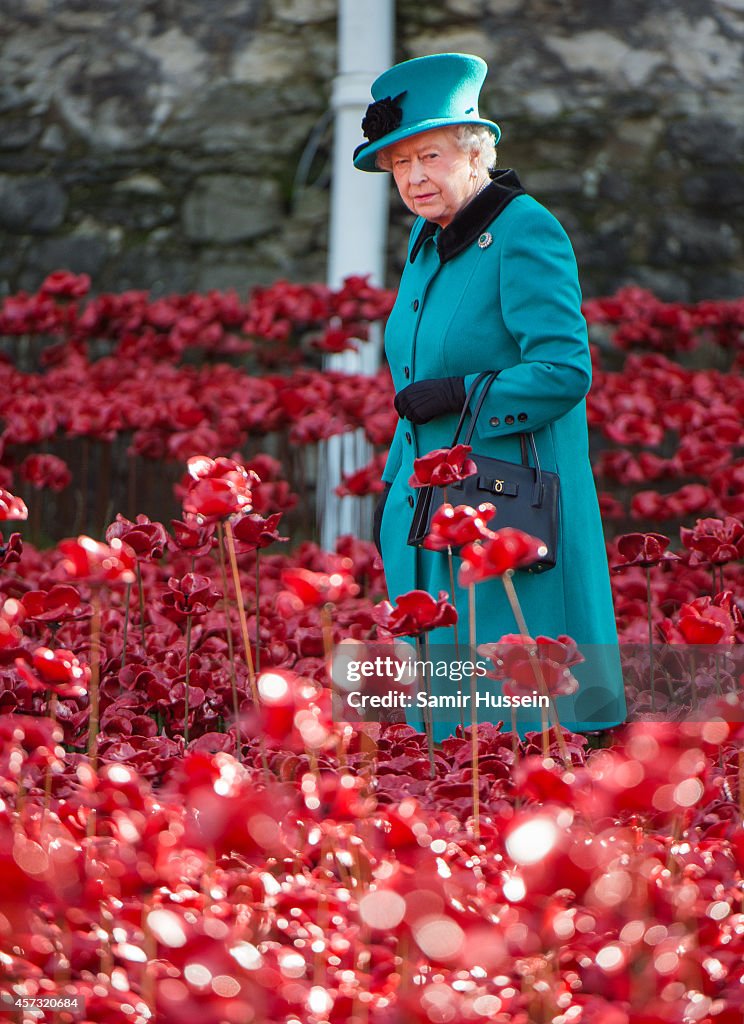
178 144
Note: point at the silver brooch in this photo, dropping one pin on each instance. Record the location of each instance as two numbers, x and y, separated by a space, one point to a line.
485 240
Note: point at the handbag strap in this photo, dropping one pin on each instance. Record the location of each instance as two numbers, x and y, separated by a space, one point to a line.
525 438
479 404
466 403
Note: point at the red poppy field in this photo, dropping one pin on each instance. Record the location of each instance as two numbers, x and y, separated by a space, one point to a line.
187 831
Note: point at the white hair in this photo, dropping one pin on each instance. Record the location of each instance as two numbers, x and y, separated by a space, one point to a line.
469 137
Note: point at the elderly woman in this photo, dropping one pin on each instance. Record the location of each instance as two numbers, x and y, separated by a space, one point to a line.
490 283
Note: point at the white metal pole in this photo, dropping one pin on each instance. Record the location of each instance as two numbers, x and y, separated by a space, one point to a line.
358 234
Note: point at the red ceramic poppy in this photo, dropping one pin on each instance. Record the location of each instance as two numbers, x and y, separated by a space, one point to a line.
194 537
714 541
455 526
443 466
415 612
644 549
252 531
12 614
704 622
61 603
505 549
57 670
11 549
316 588
221 487
11 507
66 285
90 560
365 480
514 658
145 538
192 595
45 471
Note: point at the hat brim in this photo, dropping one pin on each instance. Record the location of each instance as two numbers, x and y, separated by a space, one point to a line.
364 159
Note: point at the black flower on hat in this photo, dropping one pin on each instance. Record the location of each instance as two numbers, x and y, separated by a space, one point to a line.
382 117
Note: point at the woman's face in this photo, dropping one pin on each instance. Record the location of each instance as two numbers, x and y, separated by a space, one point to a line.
434 176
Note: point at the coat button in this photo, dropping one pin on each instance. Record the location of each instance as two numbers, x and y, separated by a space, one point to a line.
407 372
494 421
415 305
408 436
508 419
522 416
410 500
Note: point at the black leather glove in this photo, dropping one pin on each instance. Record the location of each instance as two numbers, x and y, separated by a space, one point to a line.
422 401
377 520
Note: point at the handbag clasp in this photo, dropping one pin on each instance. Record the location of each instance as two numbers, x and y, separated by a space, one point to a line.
496 485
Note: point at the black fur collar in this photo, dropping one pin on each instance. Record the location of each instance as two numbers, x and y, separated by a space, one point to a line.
473 219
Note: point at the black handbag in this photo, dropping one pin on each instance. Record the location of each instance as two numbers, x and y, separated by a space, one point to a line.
526 497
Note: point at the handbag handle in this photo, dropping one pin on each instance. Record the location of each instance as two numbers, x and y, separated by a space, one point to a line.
466 403
524 438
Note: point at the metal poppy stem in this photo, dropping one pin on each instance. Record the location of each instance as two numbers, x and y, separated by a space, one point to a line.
516 608
474 717
228 623
515 746
454 627
141 589
544 731
693 680
52 713
186 680
430 732
327 628
246 642
258 615
427 710
652 667
150 947
93 692
95 660
125 633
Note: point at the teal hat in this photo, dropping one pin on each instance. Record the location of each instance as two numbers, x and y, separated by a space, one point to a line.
418 95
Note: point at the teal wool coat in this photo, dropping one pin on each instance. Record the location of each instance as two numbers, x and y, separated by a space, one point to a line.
497 289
